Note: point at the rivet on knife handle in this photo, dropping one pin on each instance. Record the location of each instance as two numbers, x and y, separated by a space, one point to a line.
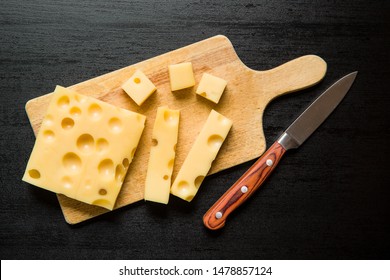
216 216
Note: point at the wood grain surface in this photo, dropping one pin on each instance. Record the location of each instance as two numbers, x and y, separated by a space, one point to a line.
244 102
329 199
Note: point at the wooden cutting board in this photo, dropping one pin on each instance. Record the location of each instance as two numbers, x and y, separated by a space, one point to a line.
247 94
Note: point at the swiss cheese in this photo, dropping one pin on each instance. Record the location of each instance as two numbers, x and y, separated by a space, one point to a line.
84 148
211 87
162 155
198 161
181 76
139 87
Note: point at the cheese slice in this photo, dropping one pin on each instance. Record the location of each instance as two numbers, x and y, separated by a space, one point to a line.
198 161
162 155
84 148
211 87
139 87
181 76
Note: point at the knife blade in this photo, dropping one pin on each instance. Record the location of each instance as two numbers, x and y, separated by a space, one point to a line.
291 138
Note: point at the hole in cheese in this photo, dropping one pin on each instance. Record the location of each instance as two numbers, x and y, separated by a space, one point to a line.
115 125
49 135
183 185
95 111
67 182
106 167
87 185
72 162
67 123
75 111
125 162
80 98
154 142
103 203
85 143
223 120
63 101
34 173
170 163
166 177
137 80
170 117
215 141
102 191
185 190
198 181
48 120
102 145
119 172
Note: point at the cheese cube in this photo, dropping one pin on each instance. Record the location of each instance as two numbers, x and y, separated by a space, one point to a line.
181 76
198 161
139 87
211 87
84 148
162 155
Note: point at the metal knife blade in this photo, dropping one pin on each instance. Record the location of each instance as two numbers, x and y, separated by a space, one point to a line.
316 113
293 137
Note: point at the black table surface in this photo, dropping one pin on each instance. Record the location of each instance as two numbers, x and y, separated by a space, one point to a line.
327 200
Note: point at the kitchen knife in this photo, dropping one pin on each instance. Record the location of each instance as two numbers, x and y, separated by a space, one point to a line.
292 138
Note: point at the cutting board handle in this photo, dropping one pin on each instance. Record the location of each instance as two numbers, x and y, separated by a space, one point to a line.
294 75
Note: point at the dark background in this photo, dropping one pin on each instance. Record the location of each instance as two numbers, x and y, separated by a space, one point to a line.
327 200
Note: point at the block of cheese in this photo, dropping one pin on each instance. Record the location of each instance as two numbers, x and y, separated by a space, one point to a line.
181 76
84 148
198 161
211 87
162 155
139 87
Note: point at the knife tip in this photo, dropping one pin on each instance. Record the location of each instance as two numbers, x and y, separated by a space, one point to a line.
350 77
354 74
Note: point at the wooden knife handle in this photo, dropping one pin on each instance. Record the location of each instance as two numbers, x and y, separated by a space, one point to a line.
252 179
